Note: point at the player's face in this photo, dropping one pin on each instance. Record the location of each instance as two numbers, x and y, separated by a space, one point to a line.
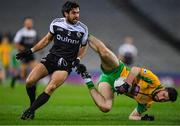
161 96
28 23
73 16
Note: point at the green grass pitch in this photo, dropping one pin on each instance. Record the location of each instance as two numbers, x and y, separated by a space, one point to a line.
72 105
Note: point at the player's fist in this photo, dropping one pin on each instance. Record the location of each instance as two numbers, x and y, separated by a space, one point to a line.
147 117
76 62
85 75
80 69
23 54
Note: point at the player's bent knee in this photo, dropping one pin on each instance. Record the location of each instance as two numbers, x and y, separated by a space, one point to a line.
105 109
29 82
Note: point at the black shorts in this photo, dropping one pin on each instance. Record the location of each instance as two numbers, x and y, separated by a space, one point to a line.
54 63
28 59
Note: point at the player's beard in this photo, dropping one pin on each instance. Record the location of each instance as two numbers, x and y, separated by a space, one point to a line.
73 20
154 96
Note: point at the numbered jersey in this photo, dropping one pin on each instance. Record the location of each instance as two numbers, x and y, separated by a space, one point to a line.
68 38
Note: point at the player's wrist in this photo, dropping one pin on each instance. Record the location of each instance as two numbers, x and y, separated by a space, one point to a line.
87 80
76 62
32 50
78 58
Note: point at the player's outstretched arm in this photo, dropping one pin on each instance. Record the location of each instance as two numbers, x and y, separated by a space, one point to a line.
135 115
81 54
41 44
82 51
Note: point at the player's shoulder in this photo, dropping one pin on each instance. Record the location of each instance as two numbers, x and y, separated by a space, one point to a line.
21 30
58 20
82 25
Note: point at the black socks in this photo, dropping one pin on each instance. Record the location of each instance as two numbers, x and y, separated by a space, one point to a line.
31 91
42 99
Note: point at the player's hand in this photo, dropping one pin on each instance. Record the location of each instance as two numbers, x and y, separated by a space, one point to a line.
85 75
134 90
80 69
76 62
124 88
147 117
23 54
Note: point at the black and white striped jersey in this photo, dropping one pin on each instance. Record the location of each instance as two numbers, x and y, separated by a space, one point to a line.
68 38
26 37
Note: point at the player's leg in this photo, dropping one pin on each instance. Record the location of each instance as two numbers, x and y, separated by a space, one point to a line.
105 95
103 98
32 64
23 68
38 72
109 61
57 79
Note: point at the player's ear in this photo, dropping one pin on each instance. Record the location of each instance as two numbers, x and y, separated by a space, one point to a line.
66 14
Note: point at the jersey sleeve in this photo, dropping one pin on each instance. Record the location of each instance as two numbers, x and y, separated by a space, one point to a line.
143 107
51 29
85 37
18 37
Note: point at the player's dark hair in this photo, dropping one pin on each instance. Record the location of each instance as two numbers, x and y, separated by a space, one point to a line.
172 93
68 6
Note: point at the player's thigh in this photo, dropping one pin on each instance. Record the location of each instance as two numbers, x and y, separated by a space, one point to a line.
57 79
38 72
32 64
106 91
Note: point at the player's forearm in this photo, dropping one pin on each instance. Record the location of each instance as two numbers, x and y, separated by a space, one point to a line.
132 75
135 115
82 51
42 43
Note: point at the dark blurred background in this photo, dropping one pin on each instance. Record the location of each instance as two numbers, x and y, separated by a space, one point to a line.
154 25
